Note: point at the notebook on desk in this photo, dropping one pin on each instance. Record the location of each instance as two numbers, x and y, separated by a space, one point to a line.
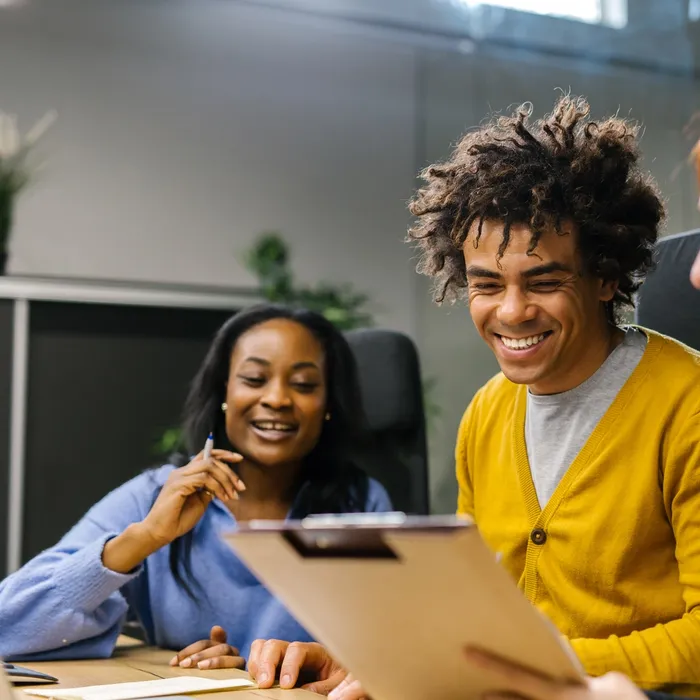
396 600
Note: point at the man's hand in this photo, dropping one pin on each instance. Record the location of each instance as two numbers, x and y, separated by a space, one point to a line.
695 273
209 653
294 661
515 681
349 689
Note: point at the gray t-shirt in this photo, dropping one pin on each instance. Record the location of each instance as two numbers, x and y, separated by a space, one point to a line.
557 426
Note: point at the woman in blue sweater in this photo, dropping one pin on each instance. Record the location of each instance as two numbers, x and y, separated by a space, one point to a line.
279 390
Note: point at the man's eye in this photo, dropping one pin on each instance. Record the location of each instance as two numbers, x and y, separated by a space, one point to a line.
485 286
546 284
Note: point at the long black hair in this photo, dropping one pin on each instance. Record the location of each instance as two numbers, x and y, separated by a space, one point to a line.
332 481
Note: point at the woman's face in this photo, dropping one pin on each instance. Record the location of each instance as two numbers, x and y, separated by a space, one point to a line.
276 393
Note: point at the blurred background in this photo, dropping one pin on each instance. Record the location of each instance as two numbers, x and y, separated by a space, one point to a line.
188 129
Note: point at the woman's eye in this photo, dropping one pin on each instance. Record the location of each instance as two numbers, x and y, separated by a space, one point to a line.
305 387
253 381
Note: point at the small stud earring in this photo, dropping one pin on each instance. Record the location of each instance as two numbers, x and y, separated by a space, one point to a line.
328 416
224 407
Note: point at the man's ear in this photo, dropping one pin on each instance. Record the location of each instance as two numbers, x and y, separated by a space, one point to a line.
608 288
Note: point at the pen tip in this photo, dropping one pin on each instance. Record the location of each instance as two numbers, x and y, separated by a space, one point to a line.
211 436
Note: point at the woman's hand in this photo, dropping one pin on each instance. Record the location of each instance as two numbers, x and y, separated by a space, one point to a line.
516 682
188 492
308 661
180 505
209 653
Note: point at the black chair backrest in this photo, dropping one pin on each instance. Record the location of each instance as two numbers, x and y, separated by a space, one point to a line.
392 394
667 302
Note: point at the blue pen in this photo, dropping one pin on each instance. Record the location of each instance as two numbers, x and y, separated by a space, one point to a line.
208 447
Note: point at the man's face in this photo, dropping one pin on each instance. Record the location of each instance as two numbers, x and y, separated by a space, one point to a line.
539 313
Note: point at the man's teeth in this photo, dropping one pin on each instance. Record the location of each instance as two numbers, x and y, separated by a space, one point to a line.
270 425
521 343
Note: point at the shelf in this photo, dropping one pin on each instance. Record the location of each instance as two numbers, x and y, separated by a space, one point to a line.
88 291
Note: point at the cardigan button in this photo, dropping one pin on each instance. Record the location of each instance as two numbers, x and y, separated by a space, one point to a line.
538 536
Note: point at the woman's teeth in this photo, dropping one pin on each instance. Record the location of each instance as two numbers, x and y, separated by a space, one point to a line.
271 425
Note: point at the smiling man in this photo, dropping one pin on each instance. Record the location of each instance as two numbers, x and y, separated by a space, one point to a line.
580 461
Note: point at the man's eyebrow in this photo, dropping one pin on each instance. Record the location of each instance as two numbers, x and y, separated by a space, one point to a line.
476 271
546 269
537 271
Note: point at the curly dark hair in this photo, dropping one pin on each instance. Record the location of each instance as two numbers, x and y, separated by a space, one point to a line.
564 167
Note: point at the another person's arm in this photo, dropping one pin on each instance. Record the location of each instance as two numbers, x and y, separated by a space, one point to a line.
695 272
515 681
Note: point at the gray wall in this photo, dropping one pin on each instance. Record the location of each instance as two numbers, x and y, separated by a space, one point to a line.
189 126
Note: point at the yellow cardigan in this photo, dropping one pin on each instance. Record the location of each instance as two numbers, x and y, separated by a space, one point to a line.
614 558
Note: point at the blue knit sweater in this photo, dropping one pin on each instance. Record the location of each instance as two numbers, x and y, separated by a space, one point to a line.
64 604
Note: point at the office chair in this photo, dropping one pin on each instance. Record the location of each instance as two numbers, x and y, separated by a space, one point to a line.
392 394
667 302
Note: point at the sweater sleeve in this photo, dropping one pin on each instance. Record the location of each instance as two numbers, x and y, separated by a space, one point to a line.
64 603
667 653
465 498
378 500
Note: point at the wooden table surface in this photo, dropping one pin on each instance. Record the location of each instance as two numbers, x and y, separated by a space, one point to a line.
133 661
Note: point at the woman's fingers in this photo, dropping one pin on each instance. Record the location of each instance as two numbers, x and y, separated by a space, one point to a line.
218 634
221 662
188 651
229 475
226 456
210 653
218 468
203 481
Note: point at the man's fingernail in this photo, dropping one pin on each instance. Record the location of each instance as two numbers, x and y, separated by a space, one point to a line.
241 485
186 663
236 496
334 694
262 678
174 661
286 679
204 664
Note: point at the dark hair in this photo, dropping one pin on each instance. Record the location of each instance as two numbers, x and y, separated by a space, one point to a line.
332 481
562 167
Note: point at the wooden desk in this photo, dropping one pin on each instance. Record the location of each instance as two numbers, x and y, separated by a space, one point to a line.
136 662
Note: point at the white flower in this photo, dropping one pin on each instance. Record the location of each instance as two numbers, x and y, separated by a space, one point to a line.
14 172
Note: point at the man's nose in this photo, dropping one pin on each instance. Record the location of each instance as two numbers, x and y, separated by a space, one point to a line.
515 308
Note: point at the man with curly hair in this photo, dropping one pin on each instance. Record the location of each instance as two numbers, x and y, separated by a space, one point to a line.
580 461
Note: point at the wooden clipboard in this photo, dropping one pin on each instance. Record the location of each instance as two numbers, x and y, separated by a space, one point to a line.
396 601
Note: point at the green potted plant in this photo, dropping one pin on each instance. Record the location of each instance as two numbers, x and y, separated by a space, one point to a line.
15 172
268 260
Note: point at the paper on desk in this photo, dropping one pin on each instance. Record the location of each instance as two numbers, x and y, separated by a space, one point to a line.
180 685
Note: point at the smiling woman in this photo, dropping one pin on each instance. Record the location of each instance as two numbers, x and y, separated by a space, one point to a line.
279 391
